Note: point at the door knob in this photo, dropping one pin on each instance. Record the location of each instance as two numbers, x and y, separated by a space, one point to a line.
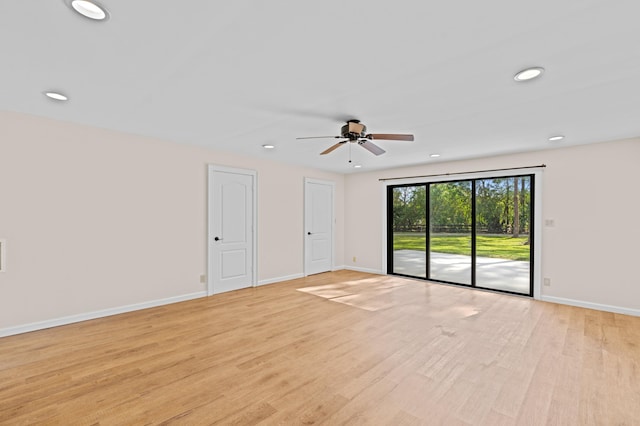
217 239
308 233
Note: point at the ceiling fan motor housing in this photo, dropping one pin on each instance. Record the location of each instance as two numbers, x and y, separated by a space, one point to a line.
353 130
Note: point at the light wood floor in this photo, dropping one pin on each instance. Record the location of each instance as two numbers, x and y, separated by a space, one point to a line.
335 348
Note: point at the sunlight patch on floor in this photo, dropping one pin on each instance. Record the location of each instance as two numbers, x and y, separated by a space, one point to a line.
367 294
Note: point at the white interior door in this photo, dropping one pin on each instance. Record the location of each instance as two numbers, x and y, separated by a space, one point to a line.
318 219
231 229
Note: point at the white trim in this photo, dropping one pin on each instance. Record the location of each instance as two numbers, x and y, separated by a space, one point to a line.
333 221
384 228
366 270
97 314
280 279
537 234
3 255
537 227
254 176
591 305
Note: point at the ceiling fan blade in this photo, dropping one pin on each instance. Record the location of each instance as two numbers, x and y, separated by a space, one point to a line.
321 137
390 137
331 148
371 147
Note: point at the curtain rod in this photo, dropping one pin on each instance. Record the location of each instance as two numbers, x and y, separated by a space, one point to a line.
462 173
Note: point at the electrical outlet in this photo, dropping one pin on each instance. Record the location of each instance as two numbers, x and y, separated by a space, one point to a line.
354 259
547 282
203 279
549 223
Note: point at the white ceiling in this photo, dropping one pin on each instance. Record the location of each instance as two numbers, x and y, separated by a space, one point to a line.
238 74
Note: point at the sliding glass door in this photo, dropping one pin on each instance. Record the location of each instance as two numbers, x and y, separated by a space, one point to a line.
473 232
408 214
503 231
450 226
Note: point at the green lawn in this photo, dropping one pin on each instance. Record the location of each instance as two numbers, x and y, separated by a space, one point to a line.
499 246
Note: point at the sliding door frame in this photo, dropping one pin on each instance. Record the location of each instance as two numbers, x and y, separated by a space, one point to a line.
535 269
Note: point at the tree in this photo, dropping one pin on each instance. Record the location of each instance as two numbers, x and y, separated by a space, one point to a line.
516 209
450 207
409 207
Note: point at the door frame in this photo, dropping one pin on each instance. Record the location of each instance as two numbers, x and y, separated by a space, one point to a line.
536 261
212 168
333 222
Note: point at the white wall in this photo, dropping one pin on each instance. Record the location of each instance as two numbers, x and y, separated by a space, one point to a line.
591 191
96 220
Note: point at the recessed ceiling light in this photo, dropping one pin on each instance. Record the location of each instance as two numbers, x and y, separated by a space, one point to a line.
89 9
268 146
434 155
57 96
528 74
357 166
556 138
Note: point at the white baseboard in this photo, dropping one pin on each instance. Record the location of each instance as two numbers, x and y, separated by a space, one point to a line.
367 270
280 279
97 314
590 305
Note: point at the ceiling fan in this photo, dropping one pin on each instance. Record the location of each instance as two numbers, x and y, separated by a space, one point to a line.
355 132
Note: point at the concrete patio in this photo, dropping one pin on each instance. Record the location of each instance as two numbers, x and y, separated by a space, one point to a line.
493 273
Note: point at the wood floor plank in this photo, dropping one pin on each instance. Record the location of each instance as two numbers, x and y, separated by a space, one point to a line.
335 348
